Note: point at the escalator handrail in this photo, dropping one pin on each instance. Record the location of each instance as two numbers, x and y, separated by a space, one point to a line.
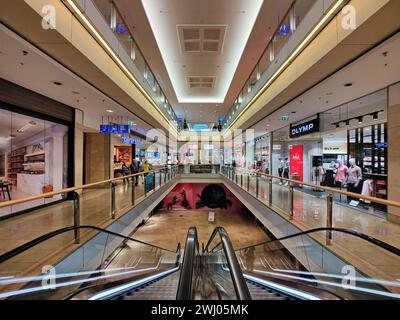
185 290
239 282
14 252
357 234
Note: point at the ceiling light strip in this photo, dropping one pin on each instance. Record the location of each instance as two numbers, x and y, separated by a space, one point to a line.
117 59
301 47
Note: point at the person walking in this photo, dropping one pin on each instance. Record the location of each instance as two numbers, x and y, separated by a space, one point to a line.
135 169
125 171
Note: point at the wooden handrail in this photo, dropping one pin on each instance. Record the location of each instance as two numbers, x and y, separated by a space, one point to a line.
333 190
73 189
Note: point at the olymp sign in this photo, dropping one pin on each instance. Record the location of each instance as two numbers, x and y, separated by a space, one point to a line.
304 128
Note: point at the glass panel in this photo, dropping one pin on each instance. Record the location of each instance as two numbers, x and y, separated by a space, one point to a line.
306 262
123 35
221 280
28 158
104 7
92 213
265 61
282 36
55 159
7 174
301 8
103 259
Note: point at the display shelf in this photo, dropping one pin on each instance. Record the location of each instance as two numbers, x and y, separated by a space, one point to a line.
15 160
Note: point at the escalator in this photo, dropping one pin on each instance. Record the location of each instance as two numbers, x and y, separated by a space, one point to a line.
111 266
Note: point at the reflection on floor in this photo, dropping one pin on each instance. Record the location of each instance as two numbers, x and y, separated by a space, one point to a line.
167 228
310 213
95 210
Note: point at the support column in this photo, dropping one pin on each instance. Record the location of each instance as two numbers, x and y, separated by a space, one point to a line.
394 151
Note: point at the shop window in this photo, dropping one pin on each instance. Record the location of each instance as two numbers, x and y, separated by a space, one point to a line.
33 159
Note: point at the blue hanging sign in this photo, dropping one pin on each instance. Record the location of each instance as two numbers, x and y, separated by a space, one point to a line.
114 128
128 140
284 30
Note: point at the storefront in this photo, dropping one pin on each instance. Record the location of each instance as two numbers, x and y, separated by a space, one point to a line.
262 153
344 148
126 148
205 152
36 149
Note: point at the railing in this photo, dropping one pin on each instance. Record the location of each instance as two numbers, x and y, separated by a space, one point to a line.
288 40
243 179
92 266
128 50
165 174
185 286
239 283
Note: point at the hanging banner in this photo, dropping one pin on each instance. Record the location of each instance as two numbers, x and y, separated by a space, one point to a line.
296 162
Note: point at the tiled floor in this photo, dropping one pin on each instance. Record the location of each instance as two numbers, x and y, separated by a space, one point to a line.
310 212
168 230
95 210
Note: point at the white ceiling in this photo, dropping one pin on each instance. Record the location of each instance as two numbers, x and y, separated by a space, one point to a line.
249 25
37 71
234 19
371 72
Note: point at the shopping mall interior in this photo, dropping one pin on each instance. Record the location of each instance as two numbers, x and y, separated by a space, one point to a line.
199 150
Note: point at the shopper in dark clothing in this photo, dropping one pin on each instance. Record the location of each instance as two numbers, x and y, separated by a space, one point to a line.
135 169
125 171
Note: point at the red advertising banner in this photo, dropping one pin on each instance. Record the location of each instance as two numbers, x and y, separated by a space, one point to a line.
296 162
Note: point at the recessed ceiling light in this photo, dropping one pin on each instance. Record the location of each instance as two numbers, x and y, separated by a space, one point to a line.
57 83
110 111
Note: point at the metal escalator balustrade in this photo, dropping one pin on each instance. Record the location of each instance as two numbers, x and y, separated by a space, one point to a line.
120 198
304 268
91 268
296 207
292 267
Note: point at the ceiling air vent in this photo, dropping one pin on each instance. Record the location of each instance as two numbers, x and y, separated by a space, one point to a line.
201 82
201 38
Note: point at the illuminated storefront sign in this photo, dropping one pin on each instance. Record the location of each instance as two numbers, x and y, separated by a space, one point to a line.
304 128
128 140
114 128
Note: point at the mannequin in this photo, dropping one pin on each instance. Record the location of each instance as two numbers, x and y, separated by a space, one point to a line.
341 174
280 169
354 178
319 174
286 170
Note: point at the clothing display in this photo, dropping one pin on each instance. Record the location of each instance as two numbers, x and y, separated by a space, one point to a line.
368 189
341 173
354 178
354 174
318 174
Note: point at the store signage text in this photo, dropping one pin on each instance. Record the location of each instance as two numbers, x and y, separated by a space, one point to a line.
128 140
304 128
114 128
334 147
381 145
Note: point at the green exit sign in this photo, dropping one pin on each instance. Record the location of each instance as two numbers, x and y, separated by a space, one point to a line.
285 118
131 123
